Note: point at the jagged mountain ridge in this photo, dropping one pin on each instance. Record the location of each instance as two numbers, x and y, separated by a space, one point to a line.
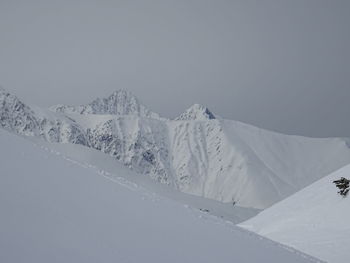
120 102
198 153
17 117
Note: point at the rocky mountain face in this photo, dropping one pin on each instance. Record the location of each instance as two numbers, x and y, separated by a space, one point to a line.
197 153
19 118
121 102
139 143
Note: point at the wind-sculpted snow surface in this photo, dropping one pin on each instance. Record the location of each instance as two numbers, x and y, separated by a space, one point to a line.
198 153
55 210
314 220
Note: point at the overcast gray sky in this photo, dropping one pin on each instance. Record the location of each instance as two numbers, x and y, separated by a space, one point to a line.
281 65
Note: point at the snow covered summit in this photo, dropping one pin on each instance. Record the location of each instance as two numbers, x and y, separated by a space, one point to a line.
196 112
120 102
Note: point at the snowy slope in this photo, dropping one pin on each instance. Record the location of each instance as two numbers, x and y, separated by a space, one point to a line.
53 210
198 153
314 220
107 166
219 159
233 162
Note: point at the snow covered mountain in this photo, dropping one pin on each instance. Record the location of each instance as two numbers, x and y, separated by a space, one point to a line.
19 118
218 159
196 112
54 210
140 143
314 220
121 102
234 162
197 153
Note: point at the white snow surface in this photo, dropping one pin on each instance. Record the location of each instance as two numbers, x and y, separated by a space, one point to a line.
56 210
198 154
314 220
109 167
218 159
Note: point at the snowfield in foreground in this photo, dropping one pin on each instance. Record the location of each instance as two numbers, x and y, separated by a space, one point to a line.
315 220
53 210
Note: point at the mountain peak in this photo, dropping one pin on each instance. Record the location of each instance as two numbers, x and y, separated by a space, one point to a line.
196 112
120 102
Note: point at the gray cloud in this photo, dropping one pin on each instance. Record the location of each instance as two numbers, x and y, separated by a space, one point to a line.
281 65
